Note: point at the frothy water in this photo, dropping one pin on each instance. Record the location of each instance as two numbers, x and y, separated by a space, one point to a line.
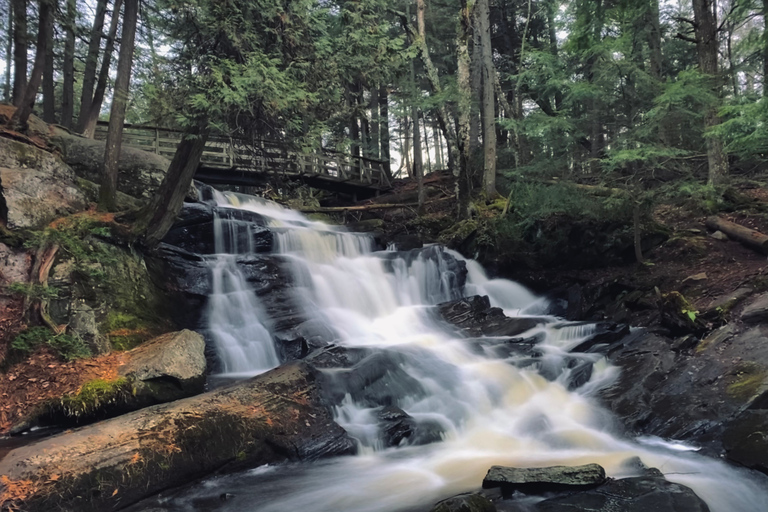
483 403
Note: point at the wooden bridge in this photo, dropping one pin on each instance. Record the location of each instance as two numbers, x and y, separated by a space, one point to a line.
233 161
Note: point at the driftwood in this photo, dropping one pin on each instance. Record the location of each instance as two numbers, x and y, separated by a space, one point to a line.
746 236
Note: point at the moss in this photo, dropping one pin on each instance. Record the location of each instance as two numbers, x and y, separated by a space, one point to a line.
93 395
127 331
68 347
458 233
749 379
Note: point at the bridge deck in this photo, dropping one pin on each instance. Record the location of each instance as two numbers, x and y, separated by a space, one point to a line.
242 162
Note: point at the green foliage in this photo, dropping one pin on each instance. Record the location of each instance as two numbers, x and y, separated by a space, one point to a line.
68 347
33 291
94 395
745 127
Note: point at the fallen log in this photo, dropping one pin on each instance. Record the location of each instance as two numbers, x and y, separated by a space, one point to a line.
746 236
112 464
367 207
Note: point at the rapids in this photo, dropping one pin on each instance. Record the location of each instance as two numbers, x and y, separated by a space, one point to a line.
484 408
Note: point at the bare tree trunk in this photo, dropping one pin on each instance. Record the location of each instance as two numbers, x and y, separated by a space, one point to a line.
19 50
375 128
707 47
476 84
20 117
407 146
765 48
108 191
384 128
463 179
68 88
426 142
354 128
88 126
438 145
92 60
49 89
418 166
158 216
8 55
482 14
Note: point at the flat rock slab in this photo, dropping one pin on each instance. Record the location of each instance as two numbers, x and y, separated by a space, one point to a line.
112 464
756 311
475 316
541 480
638 494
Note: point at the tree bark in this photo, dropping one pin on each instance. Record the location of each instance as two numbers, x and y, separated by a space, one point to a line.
19 50
384 129
407 146
68 87
92 60
463 179
482 13
88 126
20 117
375 128
8 55
108 191
49 89
158 216
707 47
765 48
476 84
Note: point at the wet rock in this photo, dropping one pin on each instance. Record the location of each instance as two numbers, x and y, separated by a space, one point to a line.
395 425
475 317
542 480
37 186
303 339
467 502
721 306
746 439
273 417
756 311
83 325
405 242
638 494
605 334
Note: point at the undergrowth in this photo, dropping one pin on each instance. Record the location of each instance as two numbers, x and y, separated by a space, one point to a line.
68 347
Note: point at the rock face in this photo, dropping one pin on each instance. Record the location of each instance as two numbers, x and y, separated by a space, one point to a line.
539 480
475 317
139 172
746 438
756 311
37 186
638 494
275 416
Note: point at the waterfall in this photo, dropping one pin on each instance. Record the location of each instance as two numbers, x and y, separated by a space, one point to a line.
474 404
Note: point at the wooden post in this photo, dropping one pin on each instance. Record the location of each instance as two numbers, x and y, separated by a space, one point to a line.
157 141
231 151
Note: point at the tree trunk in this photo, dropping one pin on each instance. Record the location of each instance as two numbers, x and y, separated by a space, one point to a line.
19 50
418 165
68 88
482 13
426 142
375 128
87 124
108 191
8 56
407 146
438 146
654 39
20 117
765 48
354 128
463 179
158 216
49 89
476 84
92 60
384 129
707 47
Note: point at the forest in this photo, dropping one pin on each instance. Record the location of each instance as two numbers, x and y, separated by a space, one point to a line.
383 255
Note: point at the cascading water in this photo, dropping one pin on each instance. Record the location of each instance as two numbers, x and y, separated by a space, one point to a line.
485 406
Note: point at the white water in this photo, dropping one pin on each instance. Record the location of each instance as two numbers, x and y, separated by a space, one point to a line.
489 407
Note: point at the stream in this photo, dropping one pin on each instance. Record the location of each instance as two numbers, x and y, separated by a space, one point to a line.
474 404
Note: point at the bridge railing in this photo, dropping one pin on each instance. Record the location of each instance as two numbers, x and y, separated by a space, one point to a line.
259 156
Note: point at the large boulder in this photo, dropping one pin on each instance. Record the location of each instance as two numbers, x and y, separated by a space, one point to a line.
37 186
273 417
139 172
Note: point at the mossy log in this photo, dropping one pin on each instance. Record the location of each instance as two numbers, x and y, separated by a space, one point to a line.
746 236
109 465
